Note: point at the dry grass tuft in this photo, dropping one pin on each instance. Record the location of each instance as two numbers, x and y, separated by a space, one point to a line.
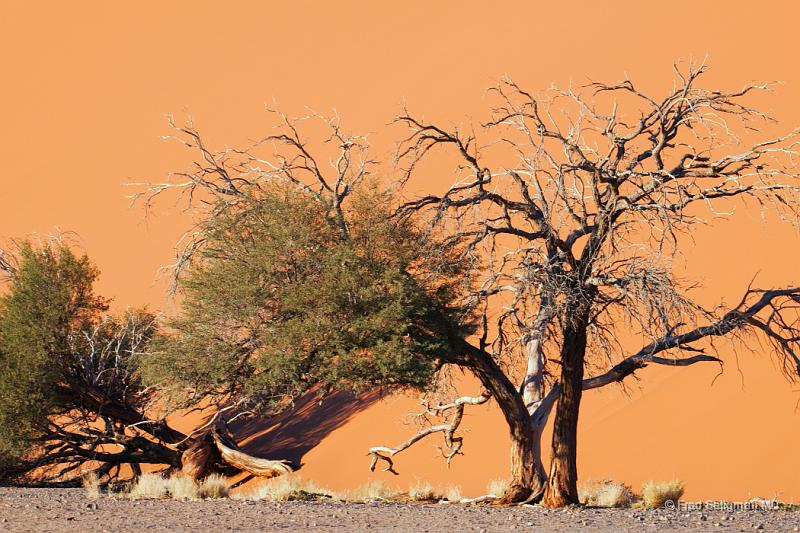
148 486
423 492
497 487
178 487
91 484
655 494
453 494
214 487
288 487
606 494
373 490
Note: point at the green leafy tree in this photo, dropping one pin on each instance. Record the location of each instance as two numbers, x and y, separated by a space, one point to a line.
281 300
67 386
294 281
50 297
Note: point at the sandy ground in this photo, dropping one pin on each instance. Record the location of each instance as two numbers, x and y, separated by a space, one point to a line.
72 510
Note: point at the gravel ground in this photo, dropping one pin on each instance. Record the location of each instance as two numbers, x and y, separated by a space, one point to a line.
72 510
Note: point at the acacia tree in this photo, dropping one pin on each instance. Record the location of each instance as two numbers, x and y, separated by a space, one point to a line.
577 202
296 280
69 395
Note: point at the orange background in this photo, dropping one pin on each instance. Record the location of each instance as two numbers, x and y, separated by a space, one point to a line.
85 87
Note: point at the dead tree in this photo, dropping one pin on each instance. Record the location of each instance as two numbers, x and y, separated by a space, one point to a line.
577 202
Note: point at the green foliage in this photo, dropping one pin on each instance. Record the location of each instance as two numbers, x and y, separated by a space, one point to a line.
56 343
50 295
281 300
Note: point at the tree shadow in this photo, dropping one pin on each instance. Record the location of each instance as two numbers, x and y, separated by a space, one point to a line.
292 434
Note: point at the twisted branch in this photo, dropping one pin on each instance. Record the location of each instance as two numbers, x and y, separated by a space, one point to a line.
452 442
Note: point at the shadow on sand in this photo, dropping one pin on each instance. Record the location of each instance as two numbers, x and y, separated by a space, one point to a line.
292 434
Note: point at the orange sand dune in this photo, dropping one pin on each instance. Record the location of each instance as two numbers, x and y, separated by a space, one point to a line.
86 86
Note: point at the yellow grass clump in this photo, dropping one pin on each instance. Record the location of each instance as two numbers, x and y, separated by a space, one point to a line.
423 492
91 484
288 487
655 494
214 487
453 494
148 486
497 487
178 487
372 490
606 494
182 488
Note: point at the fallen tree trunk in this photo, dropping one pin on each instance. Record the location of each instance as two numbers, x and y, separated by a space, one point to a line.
232 455
217 451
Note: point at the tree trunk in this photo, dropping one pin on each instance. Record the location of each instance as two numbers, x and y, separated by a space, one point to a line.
231 454
538 406
538 422
201 458
523 478
562 485
216 451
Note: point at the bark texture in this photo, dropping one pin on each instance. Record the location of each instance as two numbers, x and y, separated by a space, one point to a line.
217 451
562 486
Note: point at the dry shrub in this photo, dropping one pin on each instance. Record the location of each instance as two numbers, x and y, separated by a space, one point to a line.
655 494
288 487
91 484
497 487
372 490
148 486
606 494
423 492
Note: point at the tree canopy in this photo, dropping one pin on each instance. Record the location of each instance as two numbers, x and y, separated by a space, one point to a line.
68 384
282 297
49 303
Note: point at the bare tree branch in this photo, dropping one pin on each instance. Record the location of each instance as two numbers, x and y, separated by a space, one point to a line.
452 442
